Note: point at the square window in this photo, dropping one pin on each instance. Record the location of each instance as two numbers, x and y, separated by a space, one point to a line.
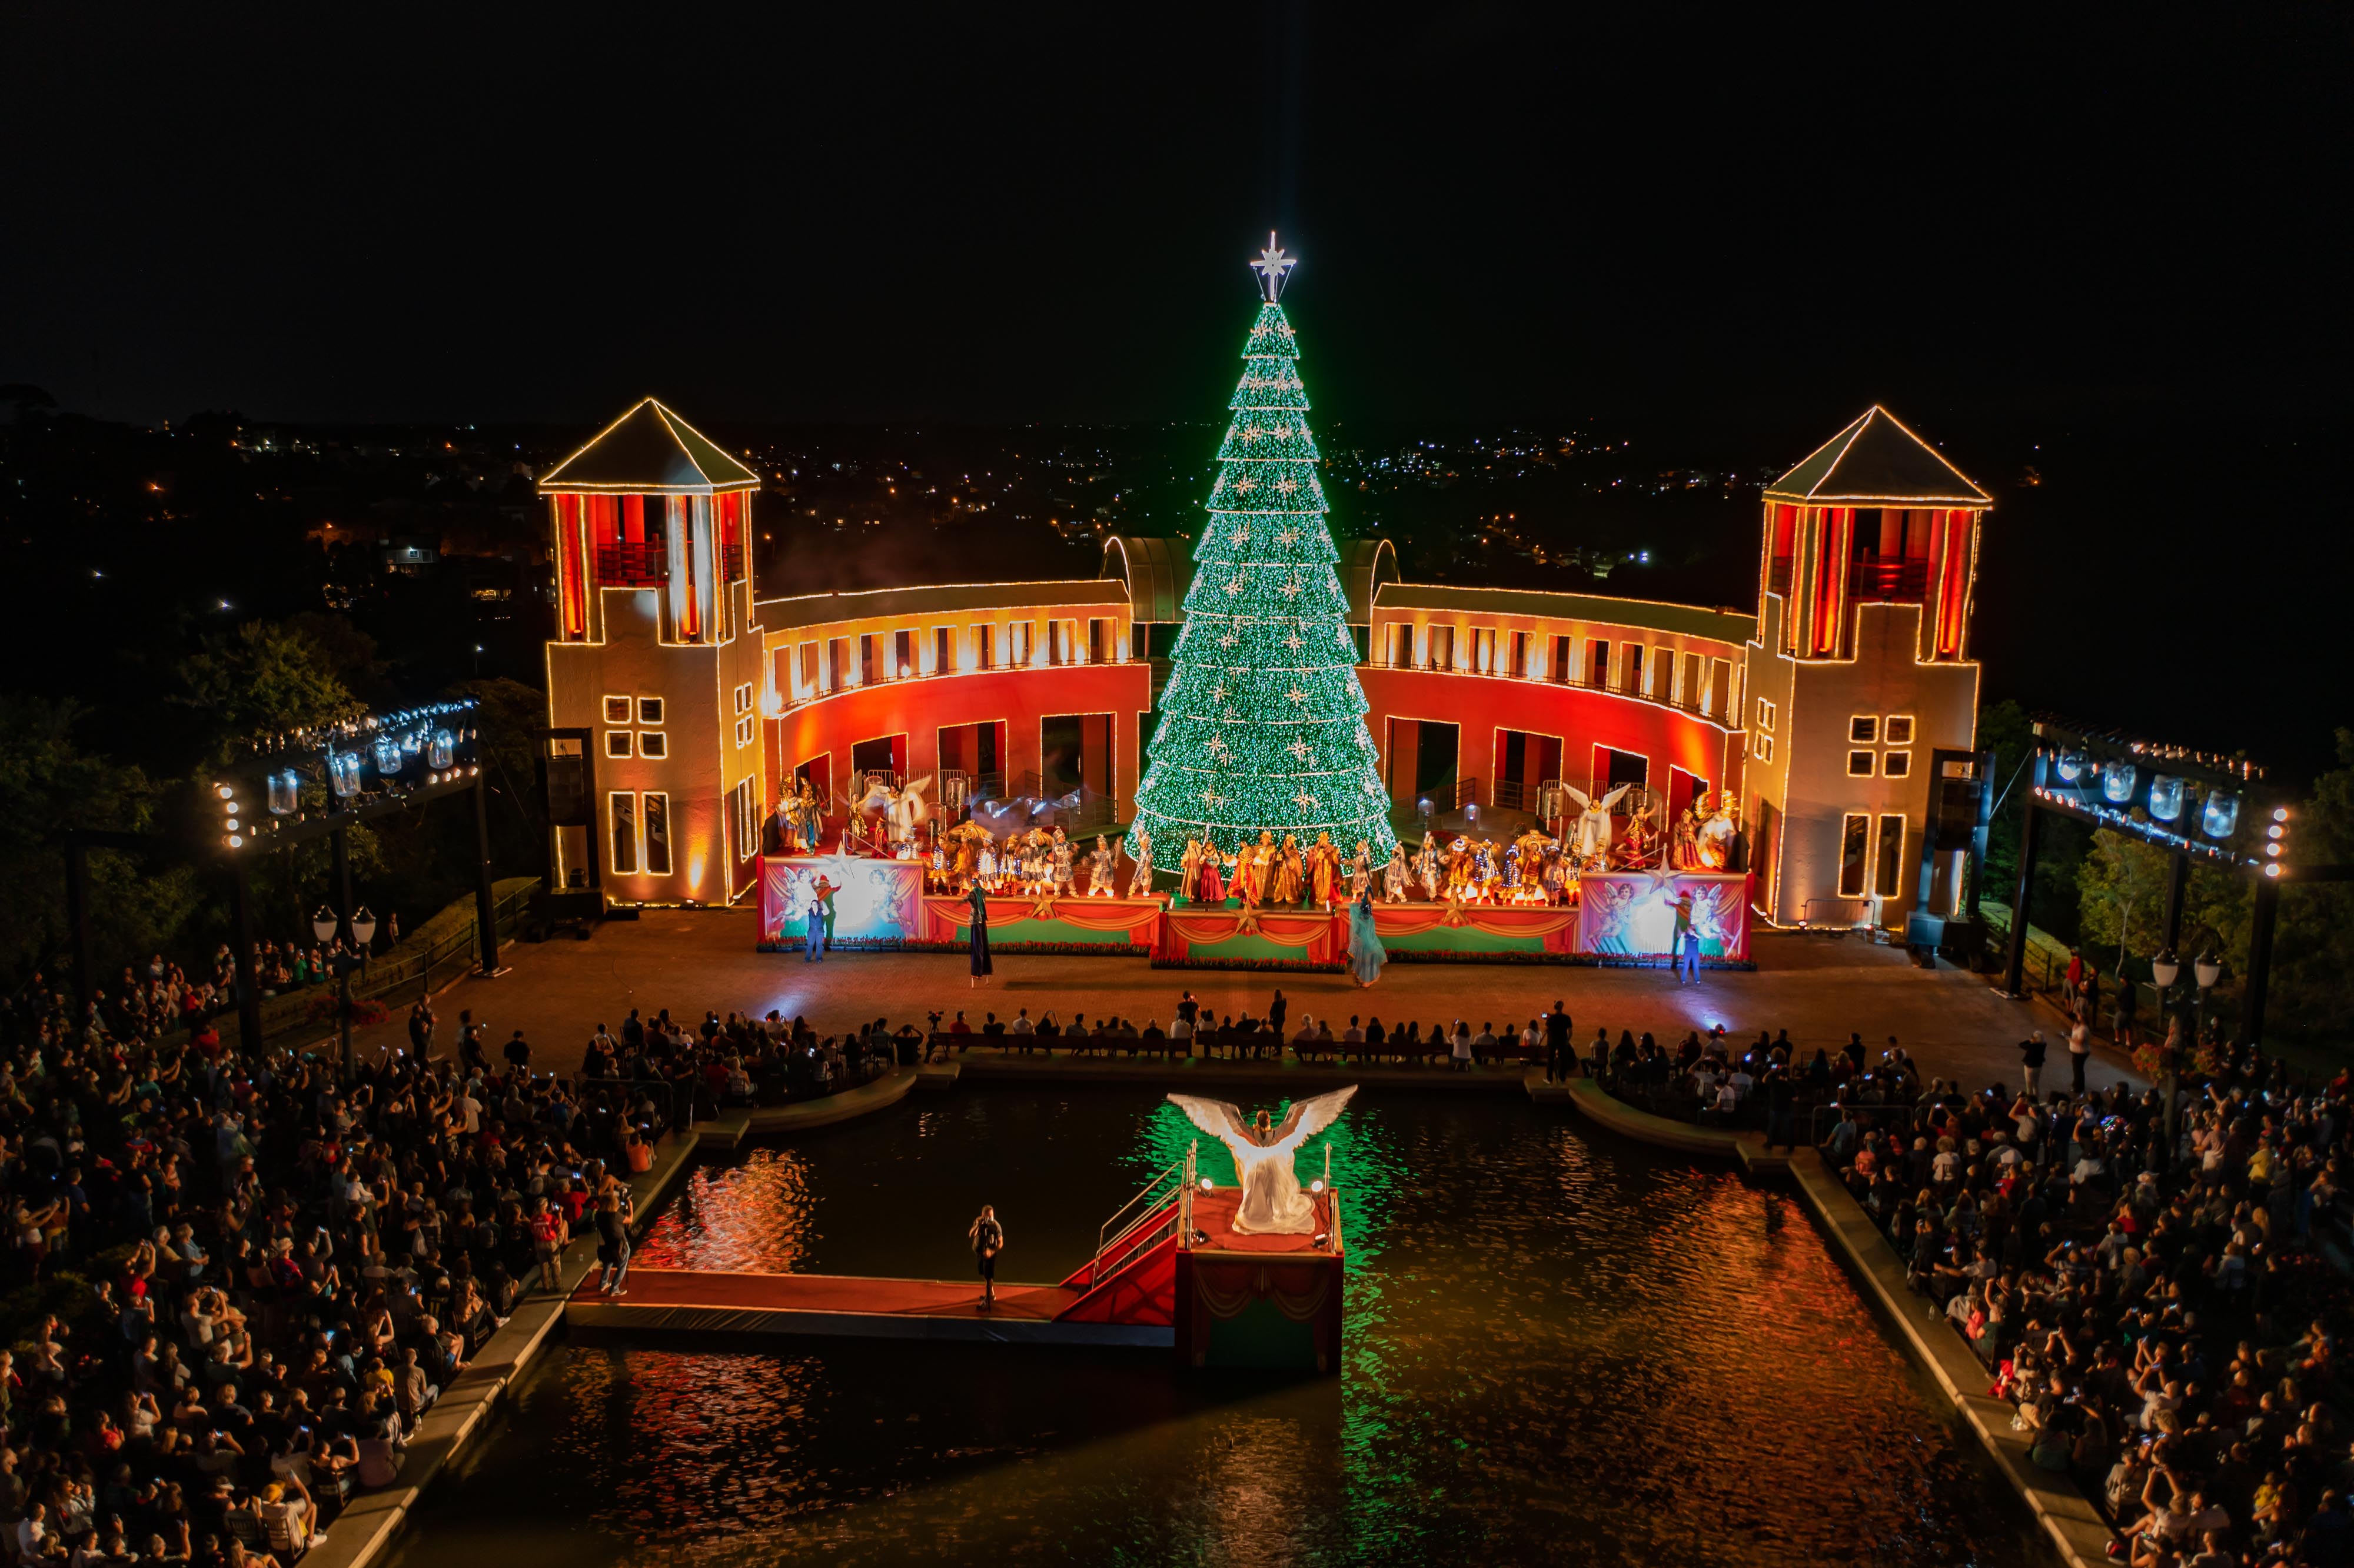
650 710
1859 765
617 743
1900 729
652 743
1896 763
1863 729
617 710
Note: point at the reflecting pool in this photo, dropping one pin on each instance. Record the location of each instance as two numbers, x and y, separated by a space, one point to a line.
1559 1349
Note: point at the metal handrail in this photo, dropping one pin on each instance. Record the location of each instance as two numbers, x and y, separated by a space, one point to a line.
1106 1241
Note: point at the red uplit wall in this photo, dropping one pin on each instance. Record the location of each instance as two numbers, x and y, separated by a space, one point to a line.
1018 699
1484 705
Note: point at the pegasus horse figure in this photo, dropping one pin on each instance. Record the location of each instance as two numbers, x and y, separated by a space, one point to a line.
1272 1204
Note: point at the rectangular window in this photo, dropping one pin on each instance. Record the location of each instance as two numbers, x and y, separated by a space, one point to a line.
1900 729
1719 699
808 682
1765 714
1483 651
1890 881
650 710
984 646
942 661
623 807
903 654
1855 851
744 727
1693 696
1099 639
744 819
1896 763
1863 729
1560 670
1520 664
1056 651
1630 673
1859 765
617 743
1442 648
651 743
837 655
867 673
1764 746
1018 637
657 834
1401 645
617 710
1597 663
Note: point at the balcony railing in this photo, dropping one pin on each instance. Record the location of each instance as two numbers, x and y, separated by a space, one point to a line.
629 566
1573 682
1906 582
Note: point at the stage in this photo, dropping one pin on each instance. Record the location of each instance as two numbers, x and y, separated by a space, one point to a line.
1618 917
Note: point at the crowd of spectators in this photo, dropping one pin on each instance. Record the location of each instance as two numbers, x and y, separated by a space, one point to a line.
2160 1303
238 1279
159 996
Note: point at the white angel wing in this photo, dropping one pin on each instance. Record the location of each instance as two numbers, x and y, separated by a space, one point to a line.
913 794
1579 795
1217 1118
1309 1118
1612 799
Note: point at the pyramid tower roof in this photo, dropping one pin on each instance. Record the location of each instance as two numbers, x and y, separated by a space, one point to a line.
1876 462
650 450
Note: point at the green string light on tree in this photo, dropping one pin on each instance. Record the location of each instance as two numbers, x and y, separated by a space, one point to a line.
1263 723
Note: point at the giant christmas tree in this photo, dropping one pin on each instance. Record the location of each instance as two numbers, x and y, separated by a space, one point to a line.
1263 722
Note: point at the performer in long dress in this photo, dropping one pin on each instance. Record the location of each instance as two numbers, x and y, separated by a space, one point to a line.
1361 870
1286 889
1099 869
978 900
1366 954
1394 876
1427 868
1323 870
1208 887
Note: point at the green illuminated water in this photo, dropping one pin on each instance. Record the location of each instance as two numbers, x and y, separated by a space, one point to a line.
1558 1349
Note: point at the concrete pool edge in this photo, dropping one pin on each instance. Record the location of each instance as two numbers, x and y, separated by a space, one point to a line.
2073 1526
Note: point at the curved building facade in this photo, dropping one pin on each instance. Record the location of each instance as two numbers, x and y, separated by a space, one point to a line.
1831 714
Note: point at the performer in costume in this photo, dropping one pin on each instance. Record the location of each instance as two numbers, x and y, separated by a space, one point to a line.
1140 881
1066 876
1394 874
1099 869
1426 869
1323 870
1287 877
1208 887
1366 954
978 901
1361 870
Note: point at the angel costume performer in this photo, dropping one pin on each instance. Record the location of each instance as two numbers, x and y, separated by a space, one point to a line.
1272 1204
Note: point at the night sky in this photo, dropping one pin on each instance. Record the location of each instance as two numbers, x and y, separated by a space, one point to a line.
2107 242
350 214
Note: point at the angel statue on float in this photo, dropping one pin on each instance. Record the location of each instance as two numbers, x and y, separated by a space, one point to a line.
1272 1204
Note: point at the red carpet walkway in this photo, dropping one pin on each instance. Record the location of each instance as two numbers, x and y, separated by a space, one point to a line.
687 1300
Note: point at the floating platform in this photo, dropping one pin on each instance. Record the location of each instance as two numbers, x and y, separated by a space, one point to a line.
1177 1279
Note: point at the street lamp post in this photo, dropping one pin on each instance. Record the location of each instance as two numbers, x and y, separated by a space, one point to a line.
324 925
2165 969
2207 971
